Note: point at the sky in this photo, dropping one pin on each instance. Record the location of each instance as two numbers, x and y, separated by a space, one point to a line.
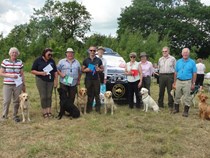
104 13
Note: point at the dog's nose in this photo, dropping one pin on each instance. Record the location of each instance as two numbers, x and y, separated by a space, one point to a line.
26 99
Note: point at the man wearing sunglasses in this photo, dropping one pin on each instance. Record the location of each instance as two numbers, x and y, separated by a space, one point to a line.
92 66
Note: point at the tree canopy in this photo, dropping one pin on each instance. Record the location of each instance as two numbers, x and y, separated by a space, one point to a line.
185 22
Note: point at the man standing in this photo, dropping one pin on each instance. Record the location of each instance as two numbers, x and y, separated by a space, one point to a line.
92 66
166 66
69 70
184 81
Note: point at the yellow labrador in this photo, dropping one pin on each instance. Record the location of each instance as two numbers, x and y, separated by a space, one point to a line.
108 102
148 101
81 99
24 106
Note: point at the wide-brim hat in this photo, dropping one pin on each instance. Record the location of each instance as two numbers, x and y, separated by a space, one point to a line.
101 48
143 54
70 50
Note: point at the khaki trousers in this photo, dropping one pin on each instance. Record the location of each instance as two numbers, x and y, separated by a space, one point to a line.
9 92
183 88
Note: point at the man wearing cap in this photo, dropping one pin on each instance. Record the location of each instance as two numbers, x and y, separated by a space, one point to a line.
184 81
166 66
92 66
102 75
69 70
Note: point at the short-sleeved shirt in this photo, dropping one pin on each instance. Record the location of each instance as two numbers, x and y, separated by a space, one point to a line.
200 68
39 64
11 67
133 66
90 75
185 69
167 64
147 68
72 69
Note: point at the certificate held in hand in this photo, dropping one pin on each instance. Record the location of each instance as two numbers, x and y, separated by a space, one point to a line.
92 68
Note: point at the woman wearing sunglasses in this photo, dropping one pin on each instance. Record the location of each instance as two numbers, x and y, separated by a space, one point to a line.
44 68
134 77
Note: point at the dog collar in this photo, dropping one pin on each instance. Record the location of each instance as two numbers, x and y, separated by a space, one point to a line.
146 96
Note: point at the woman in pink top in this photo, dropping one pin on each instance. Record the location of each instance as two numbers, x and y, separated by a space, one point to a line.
147 71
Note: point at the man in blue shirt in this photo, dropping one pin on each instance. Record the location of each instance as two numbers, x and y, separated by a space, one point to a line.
69 70
184 81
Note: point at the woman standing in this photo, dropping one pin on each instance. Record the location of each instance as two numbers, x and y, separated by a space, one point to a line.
147 70
12 71
134 76
200 73
44 68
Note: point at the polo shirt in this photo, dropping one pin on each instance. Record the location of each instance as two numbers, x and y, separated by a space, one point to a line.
97 62
39 64
185 69
72 69
11 67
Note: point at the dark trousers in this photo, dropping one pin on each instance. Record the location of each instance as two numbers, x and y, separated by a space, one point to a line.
146 83
199 79
133 88
71 91
93 91
165 81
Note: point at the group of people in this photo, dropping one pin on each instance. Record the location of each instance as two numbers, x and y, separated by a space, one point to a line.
46 77
180 75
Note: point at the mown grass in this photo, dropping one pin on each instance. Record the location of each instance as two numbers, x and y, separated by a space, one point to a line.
126 134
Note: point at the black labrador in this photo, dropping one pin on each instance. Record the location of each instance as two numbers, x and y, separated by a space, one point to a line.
67 105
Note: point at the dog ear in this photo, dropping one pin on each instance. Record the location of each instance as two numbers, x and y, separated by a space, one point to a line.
20 97
206 97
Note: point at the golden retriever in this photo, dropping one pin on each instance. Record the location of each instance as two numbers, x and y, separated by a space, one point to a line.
24 106
108 102
81 99
204 109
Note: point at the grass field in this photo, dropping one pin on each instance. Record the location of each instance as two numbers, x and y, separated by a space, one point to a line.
126 134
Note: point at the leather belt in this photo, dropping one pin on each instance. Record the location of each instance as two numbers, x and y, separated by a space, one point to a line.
166 73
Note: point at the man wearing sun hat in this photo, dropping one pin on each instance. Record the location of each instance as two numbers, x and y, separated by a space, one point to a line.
69 70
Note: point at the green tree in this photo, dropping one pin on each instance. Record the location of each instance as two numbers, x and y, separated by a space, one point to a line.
185 22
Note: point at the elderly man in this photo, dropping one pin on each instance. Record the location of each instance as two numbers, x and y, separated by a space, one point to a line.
166 66
184 81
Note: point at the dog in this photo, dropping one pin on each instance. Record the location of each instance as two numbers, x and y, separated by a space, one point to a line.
24 106
148 101
66 104
81 100
204 109
109 102
193 94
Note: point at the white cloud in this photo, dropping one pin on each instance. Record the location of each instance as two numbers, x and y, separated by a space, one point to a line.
104 13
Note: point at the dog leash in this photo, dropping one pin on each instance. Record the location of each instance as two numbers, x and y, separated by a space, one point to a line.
56 104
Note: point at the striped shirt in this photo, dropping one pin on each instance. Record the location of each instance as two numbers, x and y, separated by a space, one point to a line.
11 67
167 64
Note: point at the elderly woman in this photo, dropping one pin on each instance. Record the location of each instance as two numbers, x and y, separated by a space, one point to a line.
45 69
14 83
147 70
134 76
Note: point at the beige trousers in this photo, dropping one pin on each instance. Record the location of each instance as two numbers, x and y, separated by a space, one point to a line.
183 88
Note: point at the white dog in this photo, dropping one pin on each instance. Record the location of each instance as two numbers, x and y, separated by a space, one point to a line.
148 101
24 106
109 102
